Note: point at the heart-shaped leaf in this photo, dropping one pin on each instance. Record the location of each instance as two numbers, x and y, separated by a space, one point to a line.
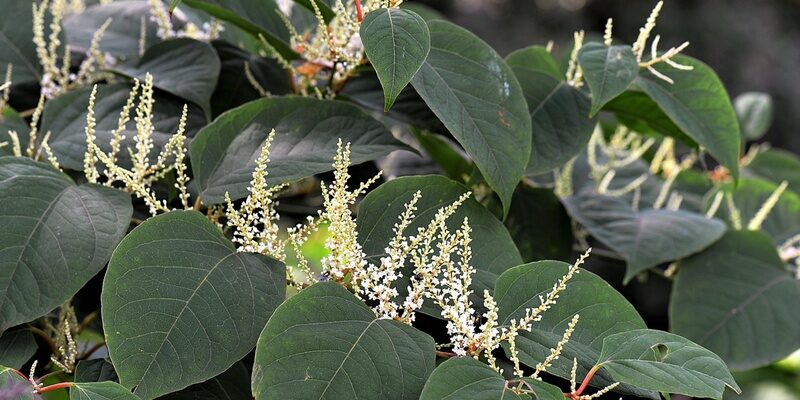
186 68
224 153
324 343
465 378
396 42
65 118
478 98
698 103
17 347
561 126
603 312
608 70
100 391
56 236
493 250
738 299
180 305
643 238
665 362
754 110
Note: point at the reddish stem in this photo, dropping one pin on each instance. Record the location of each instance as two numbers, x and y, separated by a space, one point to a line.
445 354
62 385
587 379
20 374
359 13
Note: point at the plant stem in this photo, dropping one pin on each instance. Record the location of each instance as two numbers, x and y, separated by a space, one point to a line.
44 336
359 13
445 354
587 379
62 385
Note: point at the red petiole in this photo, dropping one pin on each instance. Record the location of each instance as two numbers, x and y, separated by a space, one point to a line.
359 13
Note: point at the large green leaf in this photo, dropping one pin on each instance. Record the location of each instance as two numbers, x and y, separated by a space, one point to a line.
224 152
698 103
493 250
122 37
561 126
783 221
254 17
603 312
233 384
738 299
754 110
13 386
396 42
17 347
478 98
539 225
96 370
641 114
65 118
465 378
643 238
180 305
776 166
608 70
184 67
100 391
324 343
56 236
16 48
664 362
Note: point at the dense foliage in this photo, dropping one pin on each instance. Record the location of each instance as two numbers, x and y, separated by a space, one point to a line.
192 209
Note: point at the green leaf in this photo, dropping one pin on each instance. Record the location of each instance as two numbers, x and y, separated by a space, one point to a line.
782 222
698 103
738 299
465 378
754 110
56 236
396 42
776 166
224 152
13 386
445 153
561 126
643 238
665 362
233 88
324 8
493 250
180 305
233 384
17 347
16 28
100 391
65 118
427 13
641 114
608 70
96 370
256 18
539 225
324 343
478 98
10 120
121 38
186 68
603 312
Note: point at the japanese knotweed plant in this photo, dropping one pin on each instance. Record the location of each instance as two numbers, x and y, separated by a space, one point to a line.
192 207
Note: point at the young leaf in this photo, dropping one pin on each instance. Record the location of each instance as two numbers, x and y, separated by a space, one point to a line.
56 236
100 391
737 299
754 110
561 126
665 362
224 152
698 103
465 378
602 309
396 42
644 238
184 67
608 70
16 348
478 98
180 305
324 343
493 250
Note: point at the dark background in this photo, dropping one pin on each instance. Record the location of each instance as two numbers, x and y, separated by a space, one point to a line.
754 45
